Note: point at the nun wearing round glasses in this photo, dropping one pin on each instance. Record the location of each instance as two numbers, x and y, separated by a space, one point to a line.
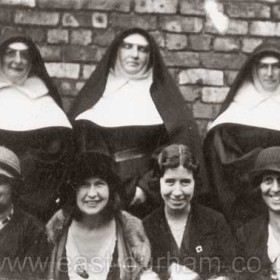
32 123
131 107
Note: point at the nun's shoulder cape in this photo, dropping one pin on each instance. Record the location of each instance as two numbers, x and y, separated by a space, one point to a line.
267 48
34 126
177 117
28 105
246 123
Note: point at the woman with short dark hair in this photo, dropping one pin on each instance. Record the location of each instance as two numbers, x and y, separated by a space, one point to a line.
98 240
182 231
259 238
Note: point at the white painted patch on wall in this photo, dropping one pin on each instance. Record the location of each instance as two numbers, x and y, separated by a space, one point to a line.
219 20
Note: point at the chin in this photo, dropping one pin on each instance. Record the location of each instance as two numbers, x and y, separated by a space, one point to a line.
275 210
91 212
270 88
16 76
179 208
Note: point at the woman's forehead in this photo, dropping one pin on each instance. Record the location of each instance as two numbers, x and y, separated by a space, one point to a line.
136 39
269 59
19 46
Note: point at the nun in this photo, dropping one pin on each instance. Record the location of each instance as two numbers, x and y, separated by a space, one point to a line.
32 123
249 120
129 108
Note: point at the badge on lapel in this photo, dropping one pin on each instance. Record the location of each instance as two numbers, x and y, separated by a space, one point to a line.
198 249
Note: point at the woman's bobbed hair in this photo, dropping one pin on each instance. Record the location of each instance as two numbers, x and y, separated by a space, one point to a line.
85 166
176 155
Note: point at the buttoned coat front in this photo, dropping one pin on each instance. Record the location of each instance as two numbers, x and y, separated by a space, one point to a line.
207 240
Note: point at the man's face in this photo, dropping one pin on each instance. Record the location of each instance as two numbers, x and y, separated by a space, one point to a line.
268 72
5 194
134 53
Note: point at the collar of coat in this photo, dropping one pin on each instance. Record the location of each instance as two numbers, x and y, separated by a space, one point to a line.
132 228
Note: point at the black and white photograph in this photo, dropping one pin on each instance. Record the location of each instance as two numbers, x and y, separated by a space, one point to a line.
139 139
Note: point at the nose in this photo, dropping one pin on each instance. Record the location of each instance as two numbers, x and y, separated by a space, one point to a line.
275 185
177 191
135 52
18 57
269 70
92 192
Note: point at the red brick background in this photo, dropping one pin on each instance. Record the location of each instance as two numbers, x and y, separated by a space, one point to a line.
73 34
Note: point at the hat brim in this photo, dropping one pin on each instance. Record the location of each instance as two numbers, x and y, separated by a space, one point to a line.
258 172
93 163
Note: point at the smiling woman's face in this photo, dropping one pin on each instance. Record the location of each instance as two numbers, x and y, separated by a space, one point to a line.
92 196
270 190
16 61
177 188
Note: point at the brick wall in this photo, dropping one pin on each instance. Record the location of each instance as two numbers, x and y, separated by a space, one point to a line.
72 36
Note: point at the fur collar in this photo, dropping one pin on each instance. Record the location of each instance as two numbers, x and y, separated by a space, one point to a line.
133 233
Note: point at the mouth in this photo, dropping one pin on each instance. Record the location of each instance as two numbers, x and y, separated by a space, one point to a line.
177 202
133 63
92 203
275 197
16 69
269 81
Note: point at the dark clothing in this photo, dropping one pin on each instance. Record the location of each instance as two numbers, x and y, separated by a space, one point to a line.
206 236
43 152
252 238
178 123
140 141
24 247
230 149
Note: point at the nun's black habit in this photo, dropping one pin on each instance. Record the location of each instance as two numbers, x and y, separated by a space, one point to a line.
236 137
34 126
137 143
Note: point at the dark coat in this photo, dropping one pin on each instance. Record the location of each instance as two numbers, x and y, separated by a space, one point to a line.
206 236
23 243
230 150
179 124
252 244
43 152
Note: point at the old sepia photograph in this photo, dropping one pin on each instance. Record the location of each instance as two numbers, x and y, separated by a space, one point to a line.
139 139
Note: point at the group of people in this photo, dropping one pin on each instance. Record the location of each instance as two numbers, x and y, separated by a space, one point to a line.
122 187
